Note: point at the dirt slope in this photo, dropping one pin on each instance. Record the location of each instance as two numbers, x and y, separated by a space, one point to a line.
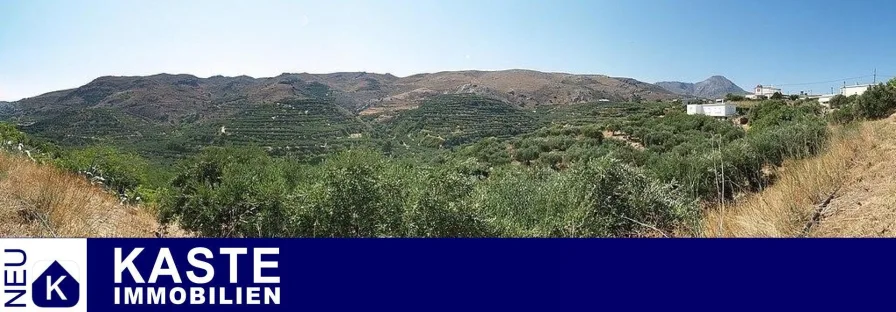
857 169
43 201
866 205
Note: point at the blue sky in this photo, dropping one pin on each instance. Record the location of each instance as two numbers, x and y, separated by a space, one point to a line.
47 45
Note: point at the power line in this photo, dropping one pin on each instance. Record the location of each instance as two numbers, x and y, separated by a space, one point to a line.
820 82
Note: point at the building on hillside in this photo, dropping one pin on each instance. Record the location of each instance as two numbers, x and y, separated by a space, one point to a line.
854 90
714 109
765 91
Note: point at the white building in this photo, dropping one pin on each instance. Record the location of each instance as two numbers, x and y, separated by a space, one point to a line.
854 90
824 99
714 109
764 91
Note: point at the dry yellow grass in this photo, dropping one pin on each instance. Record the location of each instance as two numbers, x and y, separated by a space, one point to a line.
784 208
43 201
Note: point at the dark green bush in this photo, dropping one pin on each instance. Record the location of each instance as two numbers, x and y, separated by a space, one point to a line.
877 102
228 193
600 198
121 171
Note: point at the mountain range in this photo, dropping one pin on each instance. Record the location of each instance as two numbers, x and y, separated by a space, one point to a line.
167 97
711 88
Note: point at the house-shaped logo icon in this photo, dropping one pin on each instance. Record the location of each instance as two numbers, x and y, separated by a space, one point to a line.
55 288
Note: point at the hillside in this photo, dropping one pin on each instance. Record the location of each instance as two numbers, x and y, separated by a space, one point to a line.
43 201
450 120
524 88
168 116
847 191
6 109
711 88
179 98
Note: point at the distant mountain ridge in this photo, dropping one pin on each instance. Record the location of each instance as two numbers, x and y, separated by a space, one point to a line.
712 87
169 97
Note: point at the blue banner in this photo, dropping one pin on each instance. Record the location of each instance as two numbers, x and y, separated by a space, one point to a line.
443 274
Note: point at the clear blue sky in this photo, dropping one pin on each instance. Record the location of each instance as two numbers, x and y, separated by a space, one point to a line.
47 45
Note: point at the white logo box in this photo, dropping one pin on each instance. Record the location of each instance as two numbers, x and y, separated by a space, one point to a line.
40 253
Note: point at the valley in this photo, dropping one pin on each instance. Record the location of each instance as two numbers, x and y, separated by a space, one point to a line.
239 157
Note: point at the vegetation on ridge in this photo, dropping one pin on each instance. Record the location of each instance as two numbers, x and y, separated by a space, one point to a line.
461 166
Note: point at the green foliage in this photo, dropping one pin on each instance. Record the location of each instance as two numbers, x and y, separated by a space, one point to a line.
601 198
772 113
734 97
839 101
9 135
877 102
228 193
490 150
777 96
846 114
675 129
121 171
458 166
714 167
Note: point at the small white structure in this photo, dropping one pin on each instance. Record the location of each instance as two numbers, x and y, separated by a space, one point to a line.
763 91
824 100
854 90
714 109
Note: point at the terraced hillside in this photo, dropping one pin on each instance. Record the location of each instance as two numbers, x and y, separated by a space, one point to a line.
91 126
595 112
167 98
299 126
294 126
450 120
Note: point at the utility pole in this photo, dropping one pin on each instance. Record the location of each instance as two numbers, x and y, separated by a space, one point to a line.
875 76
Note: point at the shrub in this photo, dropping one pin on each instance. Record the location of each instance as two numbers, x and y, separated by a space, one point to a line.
600 198
9 135
877 102
227 192
843 115
121 171
526 155
734 97
839 101
362 194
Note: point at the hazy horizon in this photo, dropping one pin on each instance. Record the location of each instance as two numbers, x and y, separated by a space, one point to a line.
53 45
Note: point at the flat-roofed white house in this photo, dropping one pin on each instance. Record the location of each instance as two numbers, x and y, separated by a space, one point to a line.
824 100
714 109
854 90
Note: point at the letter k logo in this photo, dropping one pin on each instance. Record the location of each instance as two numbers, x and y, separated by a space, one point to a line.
55 288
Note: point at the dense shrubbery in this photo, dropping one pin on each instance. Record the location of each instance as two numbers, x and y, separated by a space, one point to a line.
599 198
563 179
227 193
126 173
877 102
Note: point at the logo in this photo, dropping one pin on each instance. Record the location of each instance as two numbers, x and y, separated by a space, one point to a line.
56 287
43 274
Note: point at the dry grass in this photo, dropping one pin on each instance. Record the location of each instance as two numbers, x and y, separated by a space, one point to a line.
43 201
866 206
783 209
